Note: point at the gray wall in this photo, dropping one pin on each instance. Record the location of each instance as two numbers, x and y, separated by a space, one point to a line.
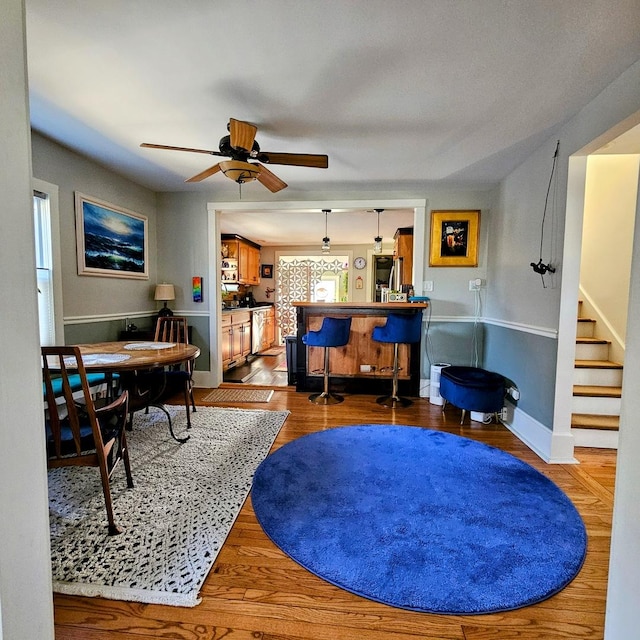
85 297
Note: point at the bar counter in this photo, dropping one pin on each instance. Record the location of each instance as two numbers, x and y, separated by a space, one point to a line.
363 365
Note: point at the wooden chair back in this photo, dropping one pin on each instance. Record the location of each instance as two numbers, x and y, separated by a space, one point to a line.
175 329
77 433
172 329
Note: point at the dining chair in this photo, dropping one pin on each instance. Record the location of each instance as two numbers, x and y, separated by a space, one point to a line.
175 329
156 386
78 433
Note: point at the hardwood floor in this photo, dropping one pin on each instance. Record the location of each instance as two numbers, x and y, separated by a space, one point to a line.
262 370
254 591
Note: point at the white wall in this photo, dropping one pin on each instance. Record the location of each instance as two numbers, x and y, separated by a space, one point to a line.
26 609
622 614
607 239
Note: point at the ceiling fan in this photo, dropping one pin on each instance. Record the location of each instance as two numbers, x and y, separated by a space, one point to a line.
240 145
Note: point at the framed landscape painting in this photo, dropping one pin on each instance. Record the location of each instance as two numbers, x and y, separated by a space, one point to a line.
111 241
454 238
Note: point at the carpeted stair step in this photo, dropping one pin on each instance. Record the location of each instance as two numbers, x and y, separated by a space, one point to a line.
591 421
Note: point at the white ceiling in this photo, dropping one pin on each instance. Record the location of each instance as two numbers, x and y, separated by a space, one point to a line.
401 95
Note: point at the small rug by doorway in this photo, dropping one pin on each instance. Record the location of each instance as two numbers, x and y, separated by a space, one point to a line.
419 519
239 395
176 518
274 351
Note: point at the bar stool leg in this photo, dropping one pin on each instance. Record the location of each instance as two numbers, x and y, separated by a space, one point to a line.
394 400
325 397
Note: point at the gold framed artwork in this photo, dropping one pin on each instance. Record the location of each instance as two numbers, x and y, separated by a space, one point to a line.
454 238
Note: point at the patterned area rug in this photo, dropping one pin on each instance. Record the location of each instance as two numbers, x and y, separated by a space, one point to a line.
239 395
176 518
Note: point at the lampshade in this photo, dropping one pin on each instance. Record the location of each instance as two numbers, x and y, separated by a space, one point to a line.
238 171
164 292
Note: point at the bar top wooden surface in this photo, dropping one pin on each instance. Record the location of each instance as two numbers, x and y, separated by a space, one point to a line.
362 305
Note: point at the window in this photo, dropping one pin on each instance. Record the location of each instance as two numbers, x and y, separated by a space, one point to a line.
44 268
47 250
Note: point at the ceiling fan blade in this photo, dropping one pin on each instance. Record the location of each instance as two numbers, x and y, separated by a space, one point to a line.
270 180
205 174
148 145
242 134
317 161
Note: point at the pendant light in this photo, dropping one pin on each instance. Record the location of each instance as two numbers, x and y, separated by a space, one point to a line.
326 243
377 241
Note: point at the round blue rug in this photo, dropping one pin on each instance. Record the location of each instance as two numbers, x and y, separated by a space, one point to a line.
419 519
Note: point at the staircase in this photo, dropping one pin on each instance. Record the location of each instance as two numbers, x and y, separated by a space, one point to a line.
597 390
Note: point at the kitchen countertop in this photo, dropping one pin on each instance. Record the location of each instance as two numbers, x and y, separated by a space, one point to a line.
258 307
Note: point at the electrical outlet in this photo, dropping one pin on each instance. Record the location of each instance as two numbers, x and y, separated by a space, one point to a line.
476 284
504 413
427 286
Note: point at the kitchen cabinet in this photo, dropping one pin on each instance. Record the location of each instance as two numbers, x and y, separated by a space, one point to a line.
236 338
403 249
240 260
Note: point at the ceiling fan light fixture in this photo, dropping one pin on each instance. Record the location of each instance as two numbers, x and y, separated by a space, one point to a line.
238 171
326 242
377 241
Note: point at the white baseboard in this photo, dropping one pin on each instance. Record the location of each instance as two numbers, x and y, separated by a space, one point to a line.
552 448
205 380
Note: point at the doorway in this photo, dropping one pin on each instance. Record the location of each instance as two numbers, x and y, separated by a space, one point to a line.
579 200
213 377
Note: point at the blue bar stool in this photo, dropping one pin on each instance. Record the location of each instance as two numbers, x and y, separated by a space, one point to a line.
399 329
334 332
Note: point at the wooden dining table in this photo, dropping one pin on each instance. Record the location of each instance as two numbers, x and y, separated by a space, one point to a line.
130 359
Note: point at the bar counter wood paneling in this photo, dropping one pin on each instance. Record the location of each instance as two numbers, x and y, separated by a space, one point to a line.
345 362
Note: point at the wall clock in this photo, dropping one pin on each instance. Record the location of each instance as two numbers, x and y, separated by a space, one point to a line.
359 263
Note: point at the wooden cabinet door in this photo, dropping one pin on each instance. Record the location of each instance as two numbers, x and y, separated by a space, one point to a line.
269 336
254 266
227 341
403 248
236 342
243 263
244 330
248 264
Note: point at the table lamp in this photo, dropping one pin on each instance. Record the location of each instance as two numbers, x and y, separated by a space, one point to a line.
165 292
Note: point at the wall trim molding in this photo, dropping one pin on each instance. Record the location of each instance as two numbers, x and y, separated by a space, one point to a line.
110 317
525 328
515 326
